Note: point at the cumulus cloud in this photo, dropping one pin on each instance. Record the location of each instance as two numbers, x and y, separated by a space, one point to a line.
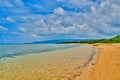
74 19
77 3
2 28
59 10
19 3
35 35
101 21
22 29
10 19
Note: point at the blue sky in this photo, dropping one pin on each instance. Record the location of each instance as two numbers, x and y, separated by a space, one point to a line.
36 20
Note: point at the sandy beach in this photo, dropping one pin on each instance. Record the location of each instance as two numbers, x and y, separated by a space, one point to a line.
68 64
107 66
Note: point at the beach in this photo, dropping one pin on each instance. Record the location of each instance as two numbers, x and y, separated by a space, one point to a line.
87 62
66 64
107 66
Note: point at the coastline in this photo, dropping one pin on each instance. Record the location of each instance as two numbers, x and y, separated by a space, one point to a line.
68 64
107 66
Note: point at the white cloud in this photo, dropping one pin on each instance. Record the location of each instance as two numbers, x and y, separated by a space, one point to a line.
22 29
10 19
19 3
97 23
103 20
78 3
35 35
59 10
5 3
2 28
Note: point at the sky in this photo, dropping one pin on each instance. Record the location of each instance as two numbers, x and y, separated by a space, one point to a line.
37 20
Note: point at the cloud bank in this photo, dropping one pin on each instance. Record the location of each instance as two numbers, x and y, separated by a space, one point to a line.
33 20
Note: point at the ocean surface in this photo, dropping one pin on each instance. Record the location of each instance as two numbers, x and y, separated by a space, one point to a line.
13 50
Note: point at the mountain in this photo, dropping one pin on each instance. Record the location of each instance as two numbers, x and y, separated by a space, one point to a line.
57 41
115 39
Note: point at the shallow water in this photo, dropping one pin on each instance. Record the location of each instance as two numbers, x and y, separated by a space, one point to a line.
65 64
13 50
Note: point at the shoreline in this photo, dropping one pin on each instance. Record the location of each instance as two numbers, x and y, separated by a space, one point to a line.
20 53
66 64
99 62
89 66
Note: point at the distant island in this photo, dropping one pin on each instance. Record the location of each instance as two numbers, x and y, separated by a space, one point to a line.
115 39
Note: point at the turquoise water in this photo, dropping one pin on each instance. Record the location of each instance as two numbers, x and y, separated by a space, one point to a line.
13 50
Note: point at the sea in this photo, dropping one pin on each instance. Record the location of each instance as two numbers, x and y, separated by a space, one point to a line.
14 50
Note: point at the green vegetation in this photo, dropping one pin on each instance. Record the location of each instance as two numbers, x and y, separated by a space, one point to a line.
115 39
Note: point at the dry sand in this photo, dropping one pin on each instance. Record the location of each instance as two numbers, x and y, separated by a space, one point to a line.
68 64
107 66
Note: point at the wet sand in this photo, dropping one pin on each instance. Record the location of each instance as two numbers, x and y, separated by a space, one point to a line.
68 64
107 66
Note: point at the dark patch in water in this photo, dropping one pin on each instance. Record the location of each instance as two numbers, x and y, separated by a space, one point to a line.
32 52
